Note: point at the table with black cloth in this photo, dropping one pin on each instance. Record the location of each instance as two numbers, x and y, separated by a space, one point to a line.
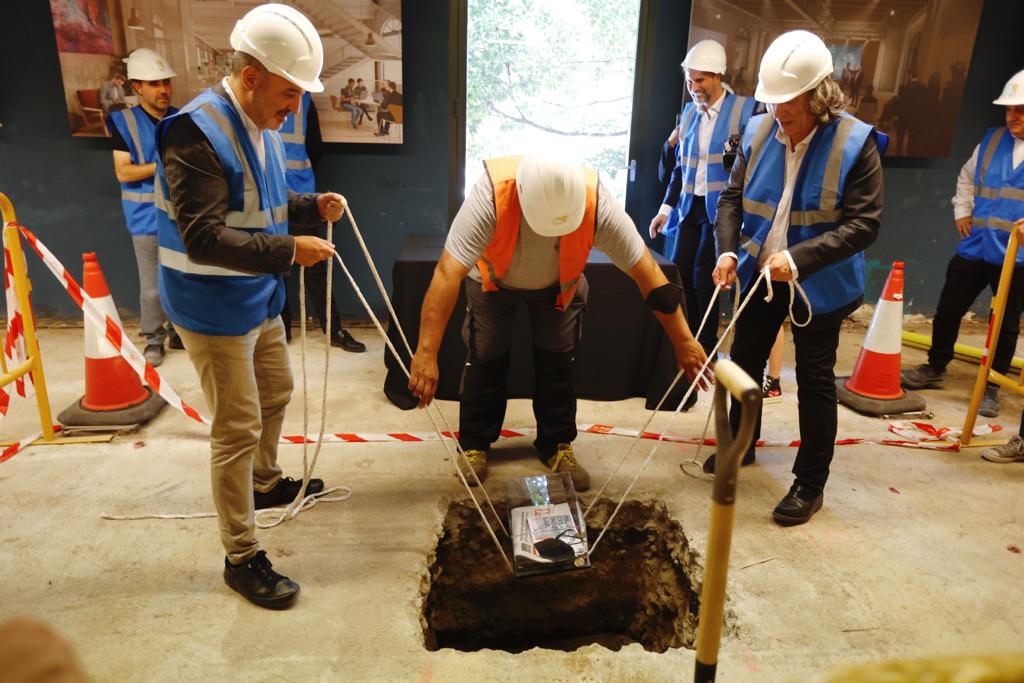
624 352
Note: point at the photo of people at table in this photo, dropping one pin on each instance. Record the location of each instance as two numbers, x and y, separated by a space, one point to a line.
362 60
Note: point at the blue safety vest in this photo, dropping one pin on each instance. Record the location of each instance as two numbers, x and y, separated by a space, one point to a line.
139 133
293 133
998 200
817 201
211 299
731 119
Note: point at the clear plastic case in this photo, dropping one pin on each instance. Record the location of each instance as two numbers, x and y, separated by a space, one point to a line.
546 524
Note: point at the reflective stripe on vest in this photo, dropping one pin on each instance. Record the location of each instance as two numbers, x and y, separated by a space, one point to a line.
998 200
139 133
816 207
573 248
299 173
205 297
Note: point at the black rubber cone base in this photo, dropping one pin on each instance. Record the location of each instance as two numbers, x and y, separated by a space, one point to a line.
140 413
874 407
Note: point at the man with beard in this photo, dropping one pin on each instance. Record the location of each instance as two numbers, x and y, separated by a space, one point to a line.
223 217
134 136
706 124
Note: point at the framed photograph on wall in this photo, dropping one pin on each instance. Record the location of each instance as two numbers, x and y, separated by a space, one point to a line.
901 63
362 75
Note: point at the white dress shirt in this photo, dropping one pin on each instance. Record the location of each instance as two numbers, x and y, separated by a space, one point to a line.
776 240
705 127
255 134
963 200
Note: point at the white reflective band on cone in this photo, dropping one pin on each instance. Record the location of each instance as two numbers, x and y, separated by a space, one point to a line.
96 344
886 332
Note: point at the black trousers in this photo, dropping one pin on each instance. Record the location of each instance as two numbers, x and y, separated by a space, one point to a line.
316 292
816 347
487 331
696 261
965 280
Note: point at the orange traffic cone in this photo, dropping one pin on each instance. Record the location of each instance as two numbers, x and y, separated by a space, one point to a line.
113 393
874 388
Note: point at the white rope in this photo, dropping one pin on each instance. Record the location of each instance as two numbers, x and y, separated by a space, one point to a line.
307 502
654 412
302 502
695 460
664 430
794 287
398 358
460 453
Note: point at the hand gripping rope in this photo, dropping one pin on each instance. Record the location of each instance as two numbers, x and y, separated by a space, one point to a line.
445 441
303 502
695 460
765 275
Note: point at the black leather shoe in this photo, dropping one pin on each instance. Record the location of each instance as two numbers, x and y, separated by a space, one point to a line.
285 492
344 340
709 464
258 583
798 506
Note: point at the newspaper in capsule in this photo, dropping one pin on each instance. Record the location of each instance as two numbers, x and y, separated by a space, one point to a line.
546 520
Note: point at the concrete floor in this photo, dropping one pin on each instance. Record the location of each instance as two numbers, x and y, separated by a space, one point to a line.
908 558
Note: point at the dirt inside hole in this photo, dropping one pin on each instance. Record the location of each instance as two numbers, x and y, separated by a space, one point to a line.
643 587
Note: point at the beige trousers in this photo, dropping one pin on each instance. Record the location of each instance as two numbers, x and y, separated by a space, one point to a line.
247 382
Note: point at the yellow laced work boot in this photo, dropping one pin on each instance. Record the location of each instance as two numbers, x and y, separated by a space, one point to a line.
478 463
565 461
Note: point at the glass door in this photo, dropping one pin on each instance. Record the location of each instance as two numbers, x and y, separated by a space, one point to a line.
551 76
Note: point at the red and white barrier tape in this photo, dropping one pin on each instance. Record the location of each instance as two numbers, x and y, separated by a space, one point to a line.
916 435
15 448
113 332
397 437
14 349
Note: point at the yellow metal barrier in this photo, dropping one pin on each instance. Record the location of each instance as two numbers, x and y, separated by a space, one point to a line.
968 354
22 287
985 372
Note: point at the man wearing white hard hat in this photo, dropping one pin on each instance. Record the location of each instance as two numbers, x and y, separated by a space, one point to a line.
133 133
523 237
804 199
989 199
707 123
224 214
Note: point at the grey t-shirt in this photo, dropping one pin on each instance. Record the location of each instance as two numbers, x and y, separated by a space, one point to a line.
535 261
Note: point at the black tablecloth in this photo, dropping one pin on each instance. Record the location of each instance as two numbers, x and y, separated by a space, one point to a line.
623 352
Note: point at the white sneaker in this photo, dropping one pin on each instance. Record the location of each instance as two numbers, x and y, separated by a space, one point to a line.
1011 452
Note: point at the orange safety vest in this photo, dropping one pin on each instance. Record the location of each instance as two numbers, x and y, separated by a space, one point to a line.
573 248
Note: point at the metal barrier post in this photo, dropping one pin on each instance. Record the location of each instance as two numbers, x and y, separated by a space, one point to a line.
22 287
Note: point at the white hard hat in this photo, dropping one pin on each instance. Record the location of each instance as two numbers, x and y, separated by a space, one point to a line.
794 63
148 65
284 41
552 194
1013 93
707 55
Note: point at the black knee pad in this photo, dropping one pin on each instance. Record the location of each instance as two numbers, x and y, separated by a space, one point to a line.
552 361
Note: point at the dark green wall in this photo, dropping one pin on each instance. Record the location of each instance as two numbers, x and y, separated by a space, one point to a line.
65 191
